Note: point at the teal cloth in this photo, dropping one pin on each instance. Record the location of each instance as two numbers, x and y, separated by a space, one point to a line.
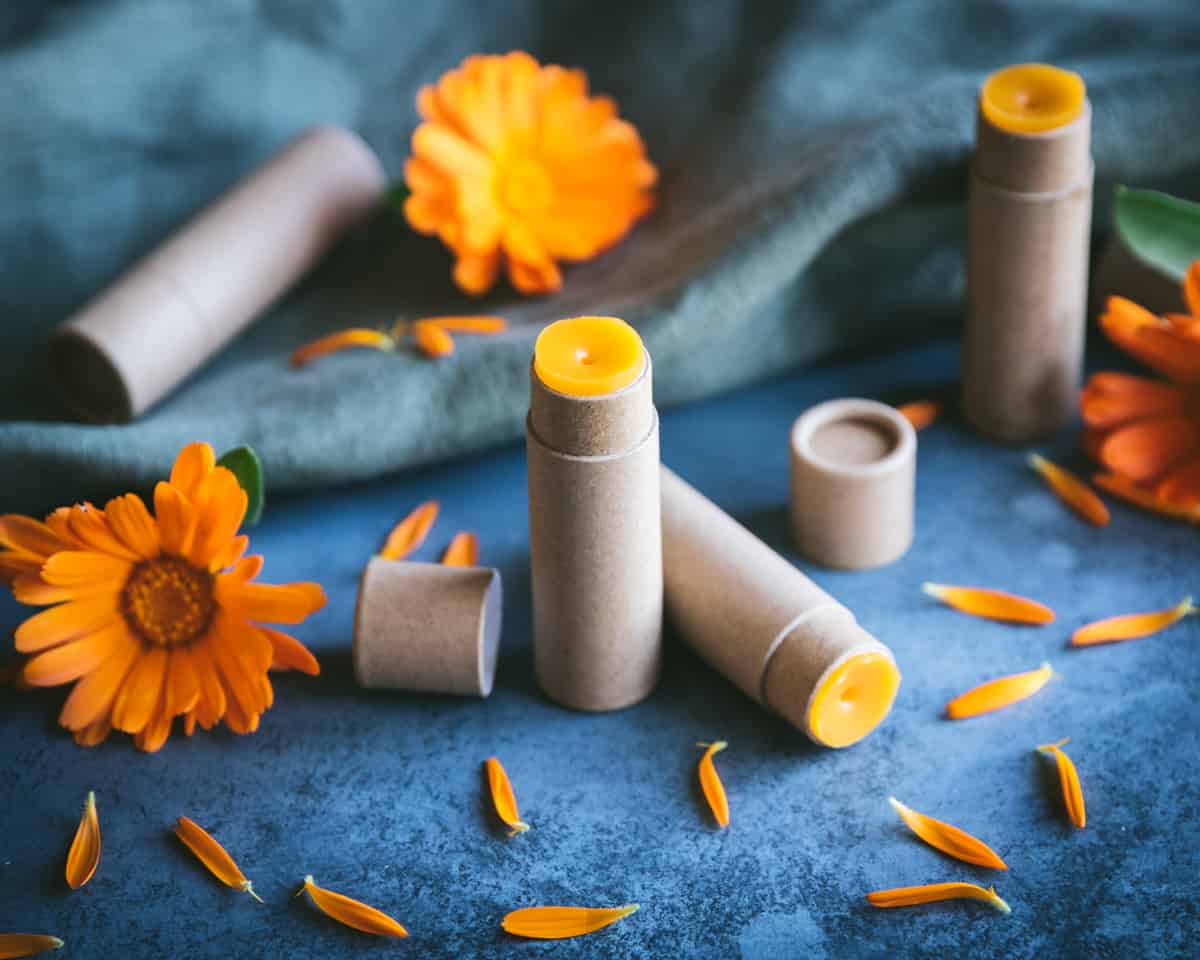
812 156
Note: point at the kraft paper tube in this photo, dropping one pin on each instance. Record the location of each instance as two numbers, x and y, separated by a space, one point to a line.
140 338
1029 210
594 531
764 625
427 627
853 484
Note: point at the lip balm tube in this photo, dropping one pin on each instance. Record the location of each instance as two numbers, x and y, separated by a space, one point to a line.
135 342
764 625
595 538
1029 209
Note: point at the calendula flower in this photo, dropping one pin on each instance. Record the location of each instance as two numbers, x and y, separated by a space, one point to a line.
1145 430
514 162
154 616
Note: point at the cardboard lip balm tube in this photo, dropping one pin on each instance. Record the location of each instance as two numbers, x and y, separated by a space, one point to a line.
767 627
595 538
1029 209
853 484
427 627
135 342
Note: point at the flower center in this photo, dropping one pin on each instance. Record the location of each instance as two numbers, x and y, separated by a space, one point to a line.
525 187
168 602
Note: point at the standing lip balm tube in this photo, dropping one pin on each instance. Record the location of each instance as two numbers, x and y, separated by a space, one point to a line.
1029 210
595 536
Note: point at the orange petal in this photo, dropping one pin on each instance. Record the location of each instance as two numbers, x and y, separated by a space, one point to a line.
139 694
152 737
560 923
91 527
220 508
1135 335
1191 289
26 944
431 339
86 568
210 708
935 892
174 515
475 274
470 324
710 783
1144 450
1131 493
1132 626
84 854
269 603
352 913
1182 484
32 589
991 604
288 653
181 688
1111 399
214 856
998 693
67 621
75 659
502 797
342 340
192 465
29 536
462 552
133 525
91 699
1071 490
920 413
949 839
410 532
1068 778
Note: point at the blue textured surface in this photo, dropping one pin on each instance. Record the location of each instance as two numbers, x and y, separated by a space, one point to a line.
380 795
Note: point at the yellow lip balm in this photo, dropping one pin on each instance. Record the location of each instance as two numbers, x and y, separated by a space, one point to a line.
1032 98
588 356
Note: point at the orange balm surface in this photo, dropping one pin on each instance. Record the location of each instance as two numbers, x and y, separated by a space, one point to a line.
1032 98
853 699
588 356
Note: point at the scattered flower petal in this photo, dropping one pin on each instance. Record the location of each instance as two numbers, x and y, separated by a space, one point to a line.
1071 490
503 799
342 340
214 856
432 340
949 839
560 923
1133 625
998 693
482 325
920 413
352 913
84 854
1068 777
710 783
991 604
13 945
463 551
934 892
410 532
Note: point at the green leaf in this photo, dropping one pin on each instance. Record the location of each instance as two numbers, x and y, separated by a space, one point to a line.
1160 230
243 462
397 193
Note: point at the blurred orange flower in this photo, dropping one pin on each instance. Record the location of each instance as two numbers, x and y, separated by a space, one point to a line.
1148 431
515 162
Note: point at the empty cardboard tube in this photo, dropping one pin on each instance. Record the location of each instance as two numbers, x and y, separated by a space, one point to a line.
136 341
595 543
853 483
427 627
767 627
1029 209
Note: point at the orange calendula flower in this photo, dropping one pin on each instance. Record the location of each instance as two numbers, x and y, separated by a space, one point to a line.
514 163
1068 778
214 856
410 533
84 855
1132 626
561 923
503 798
949 839
463 551
920 413
998 693
14 945
710 783
351 913
990 604
935 892
158 616
1146 430
1071 490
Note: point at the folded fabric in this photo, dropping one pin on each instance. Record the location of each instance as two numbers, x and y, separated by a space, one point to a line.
812 161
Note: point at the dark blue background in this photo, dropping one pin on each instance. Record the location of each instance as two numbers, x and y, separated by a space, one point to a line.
379 795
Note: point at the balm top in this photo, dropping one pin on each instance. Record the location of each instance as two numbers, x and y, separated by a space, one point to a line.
1032 98
588 356
853 699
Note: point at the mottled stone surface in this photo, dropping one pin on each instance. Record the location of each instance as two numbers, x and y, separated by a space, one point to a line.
378 795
